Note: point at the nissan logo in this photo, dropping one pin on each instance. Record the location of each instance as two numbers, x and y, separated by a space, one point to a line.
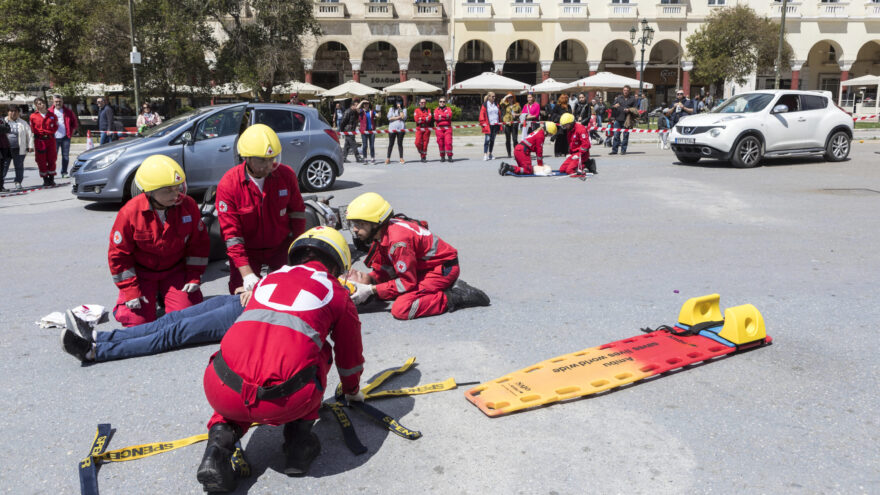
687 130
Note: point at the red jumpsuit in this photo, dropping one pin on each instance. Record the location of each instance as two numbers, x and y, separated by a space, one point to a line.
523 152
413 267
579 146
283 330
154 259
423 130
443 123
258 226
45 149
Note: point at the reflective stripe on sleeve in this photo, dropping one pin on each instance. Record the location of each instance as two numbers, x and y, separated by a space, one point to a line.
297 215
433 251
413 309
399 283
196 260
232 241
125 275
349 371
282 319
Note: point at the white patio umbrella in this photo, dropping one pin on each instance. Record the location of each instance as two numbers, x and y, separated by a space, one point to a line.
868 80
16 98
302 88
412 87
487 81
607 80
231 89
550 86
101 89
349 89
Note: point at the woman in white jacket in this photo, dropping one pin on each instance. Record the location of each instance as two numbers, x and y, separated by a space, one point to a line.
21 140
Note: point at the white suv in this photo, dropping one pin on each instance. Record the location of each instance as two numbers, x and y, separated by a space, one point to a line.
758 124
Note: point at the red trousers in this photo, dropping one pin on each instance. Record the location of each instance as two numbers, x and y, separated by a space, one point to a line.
46 152
274 258
444 140
154 285
523 160
423 137
428 298
229 406
570 165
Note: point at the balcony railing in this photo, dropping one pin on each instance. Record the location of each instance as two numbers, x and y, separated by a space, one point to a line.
573 11
872 11
476 10
623 10
329 10
671 11
792 10
378 10
428 10
525 10
837 10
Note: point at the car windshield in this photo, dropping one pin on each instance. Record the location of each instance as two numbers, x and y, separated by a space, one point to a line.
747 103
174 123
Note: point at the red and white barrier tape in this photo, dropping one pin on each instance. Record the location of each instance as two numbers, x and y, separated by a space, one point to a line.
414 129
866 117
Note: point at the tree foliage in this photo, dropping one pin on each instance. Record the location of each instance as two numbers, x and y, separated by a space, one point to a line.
735 42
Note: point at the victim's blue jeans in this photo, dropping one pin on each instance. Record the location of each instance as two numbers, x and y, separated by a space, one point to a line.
200 324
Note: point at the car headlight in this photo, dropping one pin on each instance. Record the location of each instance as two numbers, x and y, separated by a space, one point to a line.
104 161
715 132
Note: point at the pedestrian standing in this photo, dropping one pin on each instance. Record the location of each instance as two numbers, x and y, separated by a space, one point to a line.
5 152
21 140
423 119
44 124
67 126
338 112
349 125
664 122
105 121
147 118
560 144
510 111
531 115
443 123
582 110
623 117
490 121
396 128
367 126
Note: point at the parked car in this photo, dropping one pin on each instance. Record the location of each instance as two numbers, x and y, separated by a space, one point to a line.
752 126
203 141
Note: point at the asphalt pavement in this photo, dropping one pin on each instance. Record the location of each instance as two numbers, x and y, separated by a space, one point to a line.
569 264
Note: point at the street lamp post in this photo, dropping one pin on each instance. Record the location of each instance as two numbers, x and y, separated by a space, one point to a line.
645 38
134 57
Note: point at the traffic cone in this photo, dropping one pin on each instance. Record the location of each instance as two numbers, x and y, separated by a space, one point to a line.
89 143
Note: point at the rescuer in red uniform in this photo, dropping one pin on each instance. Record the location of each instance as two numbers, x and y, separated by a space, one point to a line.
44 124
273 362
423 118
443 128
578 147
410 265
534 142
259 207
158 246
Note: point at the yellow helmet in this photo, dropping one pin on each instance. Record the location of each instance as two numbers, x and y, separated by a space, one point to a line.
259 140
551 127
158 171
566 118
369 207
327 240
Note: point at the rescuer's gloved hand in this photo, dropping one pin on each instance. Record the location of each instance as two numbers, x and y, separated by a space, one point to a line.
250 280
190 287
359 397
136 302
362 292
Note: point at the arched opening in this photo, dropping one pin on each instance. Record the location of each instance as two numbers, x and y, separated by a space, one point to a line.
426 62
867 63
617 57
661 70
569 61
521 62
822 70
332 66
474 58
379 67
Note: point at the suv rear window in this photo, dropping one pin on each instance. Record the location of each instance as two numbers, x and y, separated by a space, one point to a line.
813 102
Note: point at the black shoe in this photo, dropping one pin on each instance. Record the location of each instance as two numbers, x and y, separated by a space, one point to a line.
301 447
622 152
442 158
45 181
75 345
613 153
591 166
424 160
502 169
462 295
78 325
215 472
51 181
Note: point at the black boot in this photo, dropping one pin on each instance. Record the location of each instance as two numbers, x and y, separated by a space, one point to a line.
462 295
301 447
215 472
503 168
46 181
591 166
442 158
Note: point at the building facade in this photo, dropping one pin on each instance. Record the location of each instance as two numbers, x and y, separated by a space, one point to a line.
381 42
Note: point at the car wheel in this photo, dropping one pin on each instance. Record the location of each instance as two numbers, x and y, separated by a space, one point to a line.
317 175
747 152
687 159
838 147
130 190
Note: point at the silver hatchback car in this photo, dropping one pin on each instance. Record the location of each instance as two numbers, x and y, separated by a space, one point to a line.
203 141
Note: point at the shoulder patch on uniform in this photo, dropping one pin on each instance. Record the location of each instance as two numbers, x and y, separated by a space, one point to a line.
222 206
187 218
282 192
117 237
395 246
400 266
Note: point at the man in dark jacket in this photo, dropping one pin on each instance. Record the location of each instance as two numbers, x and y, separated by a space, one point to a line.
624 103
105 121
582 110
350 123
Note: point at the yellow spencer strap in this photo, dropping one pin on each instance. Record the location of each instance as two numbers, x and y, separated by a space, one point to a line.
387 374
448 384
146 450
